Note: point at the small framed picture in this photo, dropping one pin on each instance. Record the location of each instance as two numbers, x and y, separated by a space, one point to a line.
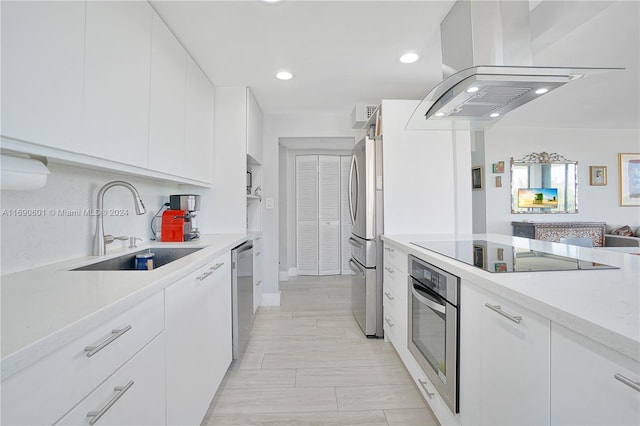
498 167
598 175
478 256
498 181
500 267
500 253
476 178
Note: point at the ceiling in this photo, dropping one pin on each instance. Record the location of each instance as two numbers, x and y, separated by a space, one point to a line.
340 52
346 52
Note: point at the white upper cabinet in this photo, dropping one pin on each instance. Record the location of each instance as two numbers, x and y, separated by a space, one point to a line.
199 124
117 79
254 128
42 72
106 82
167 101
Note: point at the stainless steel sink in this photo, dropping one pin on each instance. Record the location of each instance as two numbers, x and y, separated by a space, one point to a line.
127 262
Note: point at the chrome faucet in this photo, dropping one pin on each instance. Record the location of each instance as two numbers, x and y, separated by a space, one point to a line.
100 240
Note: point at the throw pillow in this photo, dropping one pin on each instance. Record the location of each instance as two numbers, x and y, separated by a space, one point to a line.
624 231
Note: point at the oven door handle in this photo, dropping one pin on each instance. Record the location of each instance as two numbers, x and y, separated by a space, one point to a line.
431 304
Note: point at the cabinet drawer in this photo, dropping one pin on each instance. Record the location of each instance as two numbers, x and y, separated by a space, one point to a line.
396 258
33 395
394 280
390 301
134 395
389 323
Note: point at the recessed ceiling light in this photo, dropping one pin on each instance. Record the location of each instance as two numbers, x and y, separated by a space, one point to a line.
541 91
494 115
472 89
271 1
284 75
439 114
409 58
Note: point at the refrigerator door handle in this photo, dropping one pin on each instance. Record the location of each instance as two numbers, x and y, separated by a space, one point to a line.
355 267
355 243
352 174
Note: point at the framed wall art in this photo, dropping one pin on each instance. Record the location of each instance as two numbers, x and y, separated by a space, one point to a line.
629 179
478 256
498 167
476 177
597 175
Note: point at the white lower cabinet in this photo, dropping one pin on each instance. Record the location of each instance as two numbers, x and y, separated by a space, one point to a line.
198 339
429 393
257 272
504 363
45 391
514 365
133 395
394 298
590 383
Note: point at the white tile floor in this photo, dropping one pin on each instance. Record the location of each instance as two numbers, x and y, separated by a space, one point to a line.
308 363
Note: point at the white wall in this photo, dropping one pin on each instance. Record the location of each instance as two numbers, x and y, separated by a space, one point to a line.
478 197
589 147
421 175
303 125
28 242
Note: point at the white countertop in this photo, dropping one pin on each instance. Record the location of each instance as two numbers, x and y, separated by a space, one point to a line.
603 305
44 308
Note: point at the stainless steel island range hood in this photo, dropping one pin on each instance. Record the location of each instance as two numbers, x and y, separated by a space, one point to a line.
479 95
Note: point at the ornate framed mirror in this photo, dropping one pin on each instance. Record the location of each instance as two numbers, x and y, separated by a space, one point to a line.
544 183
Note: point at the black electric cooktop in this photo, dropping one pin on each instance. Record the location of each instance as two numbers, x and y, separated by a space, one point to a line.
495 257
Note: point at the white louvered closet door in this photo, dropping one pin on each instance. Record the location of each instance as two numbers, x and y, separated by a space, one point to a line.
345 216
307 214
329 215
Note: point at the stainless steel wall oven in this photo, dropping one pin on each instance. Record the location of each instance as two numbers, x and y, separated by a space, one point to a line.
434 319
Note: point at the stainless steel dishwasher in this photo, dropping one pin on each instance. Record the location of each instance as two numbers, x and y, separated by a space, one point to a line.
242 296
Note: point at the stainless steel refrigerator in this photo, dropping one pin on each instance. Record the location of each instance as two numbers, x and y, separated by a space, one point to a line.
366 207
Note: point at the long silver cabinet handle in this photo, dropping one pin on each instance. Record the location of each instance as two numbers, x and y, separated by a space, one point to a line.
389 322
498 309
92 350
389 249
627 381
216 266
389 296
424 386
120 390
205 275
389 270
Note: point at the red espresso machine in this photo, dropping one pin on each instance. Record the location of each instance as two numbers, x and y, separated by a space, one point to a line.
179 221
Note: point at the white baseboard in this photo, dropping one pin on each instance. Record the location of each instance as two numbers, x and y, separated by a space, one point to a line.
284 276
293 272
270 299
